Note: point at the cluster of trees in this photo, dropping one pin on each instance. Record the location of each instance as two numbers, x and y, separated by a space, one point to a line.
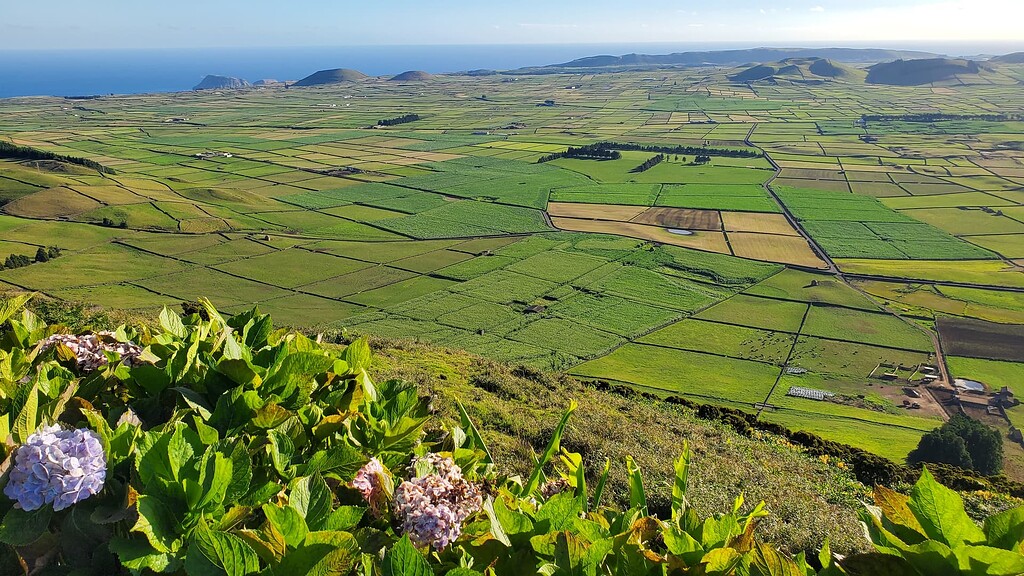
962 442
111 223
691 150
649 163
589 152
937 117
701 159
400 120
20 260
8 150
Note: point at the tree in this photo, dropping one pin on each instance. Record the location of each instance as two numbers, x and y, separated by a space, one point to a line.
962 442
985 444
42 255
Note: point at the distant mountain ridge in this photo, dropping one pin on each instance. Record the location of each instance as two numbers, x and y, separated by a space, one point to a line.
918 72
799 70
726 57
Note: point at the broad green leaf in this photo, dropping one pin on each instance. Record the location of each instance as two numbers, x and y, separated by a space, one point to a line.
1006 529
682 545
558 513
357 355
721 561
157 523
28 418
404 560
895 507
21 528
138 556
288 522
321 554
344 518
311 497
171 323
10 306
989 561
941 513
230 554
341 460
766 561
497 530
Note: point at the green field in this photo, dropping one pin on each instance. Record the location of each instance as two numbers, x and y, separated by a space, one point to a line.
437 231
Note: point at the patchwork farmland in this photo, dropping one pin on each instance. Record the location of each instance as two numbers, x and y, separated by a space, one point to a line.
862 258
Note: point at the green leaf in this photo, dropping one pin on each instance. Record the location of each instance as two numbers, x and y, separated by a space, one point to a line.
225 553
404 560
553 447
344 518
157 523
558 513
721 561
321 554
497 530
682 473
358 355
138 556
10 306
28 419
941 513
21 528
311 497
767 561
288 522
599 491
171 323
1006 529
682 545
474 434
637 495
989 561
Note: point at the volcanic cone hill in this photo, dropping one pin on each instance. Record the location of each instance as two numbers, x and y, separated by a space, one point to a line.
334 76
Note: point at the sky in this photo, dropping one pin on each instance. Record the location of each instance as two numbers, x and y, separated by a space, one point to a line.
137 24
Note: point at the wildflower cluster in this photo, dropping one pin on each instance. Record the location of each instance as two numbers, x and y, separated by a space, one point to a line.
90 349
57 466
433 507
374 484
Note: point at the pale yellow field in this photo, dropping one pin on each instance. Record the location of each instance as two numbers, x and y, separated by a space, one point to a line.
774 248
595 211
707 241
763 223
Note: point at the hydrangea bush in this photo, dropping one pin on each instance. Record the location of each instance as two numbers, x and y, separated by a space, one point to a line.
212 446
56 467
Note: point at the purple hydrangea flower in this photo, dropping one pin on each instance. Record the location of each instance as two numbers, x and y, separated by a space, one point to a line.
89 349
58 467
433 507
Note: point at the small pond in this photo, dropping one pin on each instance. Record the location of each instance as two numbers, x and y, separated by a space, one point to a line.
680 231
971 385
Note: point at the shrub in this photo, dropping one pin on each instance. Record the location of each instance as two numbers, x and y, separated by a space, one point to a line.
962 442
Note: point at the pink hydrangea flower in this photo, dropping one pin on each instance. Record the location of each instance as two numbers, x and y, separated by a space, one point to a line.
433 507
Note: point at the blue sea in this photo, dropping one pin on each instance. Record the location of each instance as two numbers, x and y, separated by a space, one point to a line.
90 72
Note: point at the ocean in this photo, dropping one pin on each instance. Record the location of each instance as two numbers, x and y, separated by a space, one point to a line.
91 72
